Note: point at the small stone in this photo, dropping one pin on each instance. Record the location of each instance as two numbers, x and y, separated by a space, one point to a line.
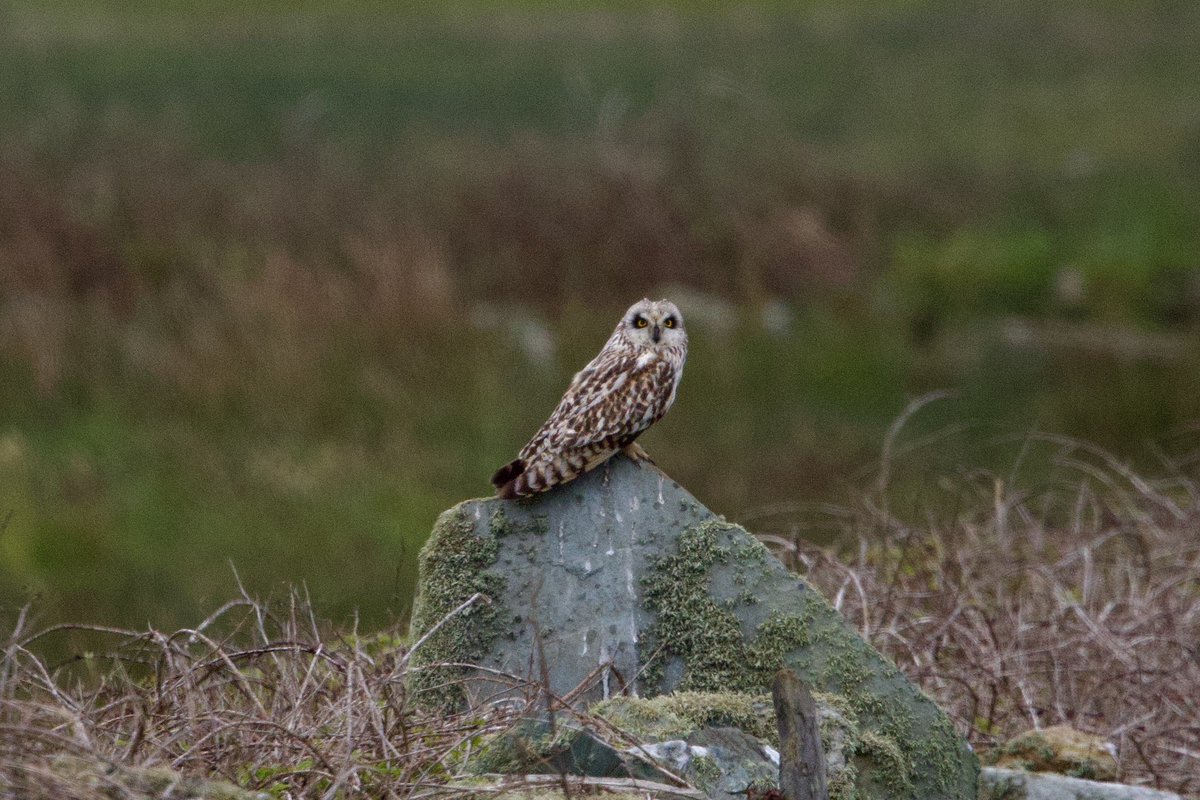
1060 749
998 783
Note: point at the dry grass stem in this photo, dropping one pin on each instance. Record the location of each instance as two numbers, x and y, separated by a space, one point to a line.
1075 604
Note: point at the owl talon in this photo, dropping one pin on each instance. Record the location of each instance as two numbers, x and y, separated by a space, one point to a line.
636 454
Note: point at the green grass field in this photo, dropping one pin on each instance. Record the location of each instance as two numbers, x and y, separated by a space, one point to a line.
278 285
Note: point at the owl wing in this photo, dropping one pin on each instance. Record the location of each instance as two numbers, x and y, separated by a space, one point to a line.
608 404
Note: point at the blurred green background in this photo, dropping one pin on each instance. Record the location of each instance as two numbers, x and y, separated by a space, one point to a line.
279 282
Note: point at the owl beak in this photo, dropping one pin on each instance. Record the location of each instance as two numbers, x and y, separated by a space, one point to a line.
656 334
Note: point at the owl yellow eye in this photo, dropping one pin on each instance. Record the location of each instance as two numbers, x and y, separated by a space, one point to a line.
640 322
669 322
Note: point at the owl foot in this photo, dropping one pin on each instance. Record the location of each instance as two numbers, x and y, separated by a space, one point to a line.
636 454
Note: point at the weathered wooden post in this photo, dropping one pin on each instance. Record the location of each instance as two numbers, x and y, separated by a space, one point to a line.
801 758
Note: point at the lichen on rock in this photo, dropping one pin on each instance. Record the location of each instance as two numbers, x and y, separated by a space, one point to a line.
456 563
860 763
692 628
537 747
1060 749
674 716
704 640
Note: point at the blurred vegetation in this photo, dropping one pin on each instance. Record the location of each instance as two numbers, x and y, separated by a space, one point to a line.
279 284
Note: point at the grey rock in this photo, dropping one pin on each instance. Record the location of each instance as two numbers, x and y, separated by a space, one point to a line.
998 783
724 761
533 747
859 763
727 763
1059 749
621 582
742 761
675 754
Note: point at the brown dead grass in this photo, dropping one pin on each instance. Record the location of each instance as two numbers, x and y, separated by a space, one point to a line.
1076 604
265 697
137 256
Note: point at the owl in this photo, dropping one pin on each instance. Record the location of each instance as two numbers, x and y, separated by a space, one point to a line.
625 389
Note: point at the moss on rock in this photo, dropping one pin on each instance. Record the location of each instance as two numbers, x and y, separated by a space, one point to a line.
701 644
860 763
1060 749
646 720
88 778
689 624
455 564
674 716
887 760
706 773
529 749
696 630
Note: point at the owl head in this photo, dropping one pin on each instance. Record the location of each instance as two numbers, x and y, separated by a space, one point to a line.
653 323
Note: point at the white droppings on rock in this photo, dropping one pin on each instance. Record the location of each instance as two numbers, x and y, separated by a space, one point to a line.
606 662
675 753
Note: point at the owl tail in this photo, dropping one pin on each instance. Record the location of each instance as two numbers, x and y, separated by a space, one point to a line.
505 479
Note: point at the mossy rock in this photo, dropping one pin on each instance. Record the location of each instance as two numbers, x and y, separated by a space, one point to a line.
533 747
1060 749
859 763
92 779
622 583
674 716
455 565
1000 783
730 763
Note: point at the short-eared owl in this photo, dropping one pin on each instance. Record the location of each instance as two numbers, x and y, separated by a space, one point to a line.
625 389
